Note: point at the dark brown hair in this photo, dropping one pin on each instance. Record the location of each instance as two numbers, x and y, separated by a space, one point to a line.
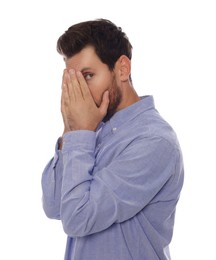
108 40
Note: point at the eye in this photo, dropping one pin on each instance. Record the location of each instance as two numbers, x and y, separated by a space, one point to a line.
88 76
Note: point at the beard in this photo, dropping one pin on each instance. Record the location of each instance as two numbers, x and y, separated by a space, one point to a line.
115 97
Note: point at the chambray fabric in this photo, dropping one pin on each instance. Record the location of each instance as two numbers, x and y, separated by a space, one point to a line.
116 190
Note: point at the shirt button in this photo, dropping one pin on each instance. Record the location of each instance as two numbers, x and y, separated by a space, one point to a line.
114 129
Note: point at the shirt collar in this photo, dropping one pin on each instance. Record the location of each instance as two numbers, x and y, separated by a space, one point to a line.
125 115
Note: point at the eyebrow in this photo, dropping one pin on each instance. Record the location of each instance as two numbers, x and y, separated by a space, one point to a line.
85 68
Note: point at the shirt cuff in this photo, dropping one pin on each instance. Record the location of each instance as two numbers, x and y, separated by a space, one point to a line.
78 139
57 153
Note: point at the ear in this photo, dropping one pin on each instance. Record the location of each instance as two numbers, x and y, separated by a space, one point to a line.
123 66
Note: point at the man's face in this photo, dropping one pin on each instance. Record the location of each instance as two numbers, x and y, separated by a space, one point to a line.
98 77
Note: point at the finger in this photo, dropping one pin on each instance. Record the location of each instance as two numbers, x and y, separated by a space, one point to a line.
64 76
105 103
65 97
65 83
74 85
64 104
68 83
83 86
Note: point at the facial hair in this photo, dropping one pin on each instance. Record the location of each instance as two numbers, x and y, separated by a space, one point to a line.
115 97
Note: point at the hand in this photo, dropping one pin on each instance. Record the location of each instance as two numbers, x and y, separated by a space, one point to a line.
78 108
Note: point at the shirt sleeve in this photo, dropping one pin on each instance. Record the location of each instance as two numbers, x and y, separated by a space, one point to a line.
51 185
92 203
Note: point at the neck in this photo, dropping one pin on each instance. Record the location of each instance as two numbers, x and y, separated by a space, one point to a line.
129 97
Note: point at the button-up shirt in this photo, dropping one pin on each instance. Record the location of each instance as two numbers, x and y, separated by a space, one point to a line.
116 189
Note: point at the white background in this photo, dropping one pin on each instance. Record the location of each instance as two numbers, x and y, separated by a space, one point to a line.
174 59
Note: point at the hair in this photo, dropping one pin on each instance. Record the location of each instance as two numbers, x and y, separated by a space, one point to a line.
108 40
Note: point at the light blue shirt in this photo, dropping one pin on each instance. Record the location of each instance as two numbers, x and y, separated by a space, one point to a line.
115 190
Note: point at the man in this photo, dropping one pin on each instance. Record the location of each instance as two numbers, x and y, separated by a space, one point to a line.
117 173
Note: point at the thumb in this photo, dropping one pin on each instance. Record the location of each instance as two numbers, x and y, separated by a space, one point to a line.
105 103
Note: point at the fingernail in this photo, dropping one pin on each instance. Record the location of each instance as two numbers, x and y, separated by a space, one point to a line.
72 71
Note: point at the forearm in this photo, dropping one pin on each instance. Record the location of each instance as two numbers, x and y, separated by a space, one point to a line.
78 161
51 186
